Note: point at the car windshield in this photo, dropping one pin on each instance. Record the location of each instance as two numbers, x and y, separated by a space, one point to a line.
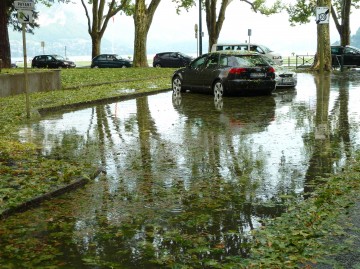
265 49
353 49
58 57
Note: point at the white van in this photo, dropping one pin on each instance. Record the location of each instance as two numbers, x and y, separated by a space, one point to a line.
276 57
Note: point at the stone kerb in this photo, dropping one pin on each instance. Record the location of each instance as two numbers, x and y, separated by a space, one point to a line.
11 84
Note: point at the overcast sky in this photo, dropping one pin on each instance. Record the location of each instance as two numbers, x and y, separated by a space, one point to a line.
169 28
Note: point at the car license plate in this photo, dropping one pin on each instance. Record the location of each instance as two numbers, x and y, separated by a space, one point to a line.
287 80
257 75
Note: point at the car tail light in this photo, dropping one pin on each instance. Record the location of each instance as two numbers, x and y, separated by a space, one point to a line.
237 71
271 69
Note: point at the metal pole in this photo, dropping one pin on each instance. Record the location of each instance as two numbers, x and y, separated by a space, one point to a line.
200 30
25 73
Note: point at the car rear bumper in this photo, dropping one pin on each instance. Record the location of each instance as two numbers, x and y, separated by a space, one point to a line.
250 86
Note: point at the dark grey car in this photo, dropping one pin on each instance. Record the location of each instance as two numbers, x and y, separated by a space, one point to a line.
51 61
171 59
226 73
110 61
348 56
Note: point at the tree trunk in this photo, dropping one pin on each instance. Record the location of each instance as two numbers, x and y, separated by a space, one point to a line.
142 20
100 20
214 26
343 28
323 43
95 45
345 21
5 53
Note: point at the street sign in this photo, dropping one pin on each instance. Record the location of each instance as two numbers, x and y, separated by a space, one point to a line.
322 15
24 5
25 16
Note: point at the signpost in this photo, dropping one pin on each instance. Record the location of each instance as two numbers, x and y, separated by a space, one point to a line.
322 17
25 10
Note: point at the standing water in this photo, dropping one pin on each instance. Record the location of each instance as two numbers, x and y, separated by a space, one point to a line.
187 177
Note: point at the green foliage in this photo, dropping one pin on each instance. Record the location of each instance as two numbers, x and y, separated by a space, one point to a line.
301 11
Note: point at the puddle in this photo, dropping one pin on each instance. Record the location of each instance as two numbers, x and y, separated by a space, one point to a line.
187 176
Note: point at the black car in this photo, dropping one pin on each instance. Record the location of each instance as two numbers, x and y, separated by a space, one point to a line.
110 61
171 59
348 56
51 61
225 73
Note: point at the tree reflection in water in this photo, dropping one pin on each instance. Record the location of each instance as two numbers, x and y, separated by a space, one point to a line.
188 177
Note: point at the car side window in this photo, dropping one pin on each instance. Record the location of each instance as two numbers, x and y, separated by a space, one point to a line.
212 61
223 60
102 58
334 50
199 63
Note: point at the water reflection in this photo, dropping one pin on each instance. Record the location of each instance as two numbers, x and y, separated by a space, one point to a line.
187 176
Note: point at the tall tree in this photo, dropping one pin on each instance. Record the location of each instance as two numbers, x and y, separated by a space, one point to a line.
340 13
5 55
100 18
143 16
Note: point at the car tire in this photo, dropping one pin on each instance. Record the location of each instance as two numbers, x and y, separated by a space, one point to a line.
157 65
218 89
177 84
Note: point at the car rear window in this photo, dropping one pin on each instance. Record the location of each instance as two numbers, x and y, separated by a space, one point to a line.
242 60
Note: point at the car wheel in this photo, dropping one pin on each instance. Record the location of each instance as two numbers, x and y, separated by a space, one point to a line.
124 66
157 65
176 84
218 89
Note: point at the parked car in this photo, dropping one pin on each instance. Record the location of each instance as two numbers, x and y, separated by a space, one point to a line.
225 73
14 65
250 47
171 59
51 61
283 76
350 54
110 61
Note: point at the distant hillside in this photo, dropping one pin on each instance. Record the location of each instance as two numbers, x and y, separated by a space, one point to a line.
354 39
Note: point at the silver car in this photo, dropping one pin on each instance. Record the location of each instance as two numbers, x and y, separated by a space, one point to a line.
283 76
261 49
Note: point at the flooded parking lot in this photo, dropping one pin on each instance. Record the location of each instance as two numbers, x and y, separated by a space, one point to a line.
187 177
